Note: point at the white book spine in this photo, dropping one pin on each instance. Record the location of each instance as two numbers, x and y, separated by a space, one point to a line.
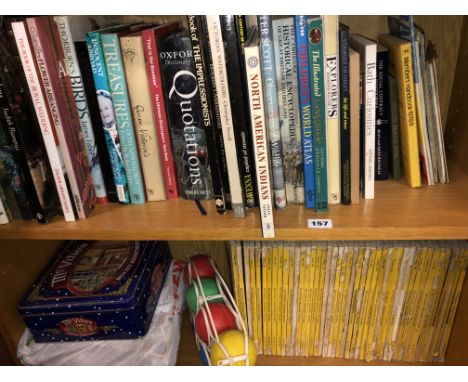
259 137
3 215
71 60
47 129
224 104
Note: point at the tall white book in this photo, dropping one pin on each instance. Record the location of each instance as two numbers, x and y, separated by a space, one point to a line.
224 104
259 134
332 91
368 56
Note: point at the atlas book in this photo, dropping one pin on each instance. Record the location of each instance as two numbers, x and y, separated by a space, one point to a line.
368 55
184 112
259 133
76 79
318 101
305 106
270 92
284 37
133 55
200 42
106 109
150 37
61 106
112 52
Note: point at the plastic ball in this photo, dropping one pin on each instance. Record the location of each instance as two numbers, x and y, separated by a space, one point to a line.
233 342
223 320
203 266
210 288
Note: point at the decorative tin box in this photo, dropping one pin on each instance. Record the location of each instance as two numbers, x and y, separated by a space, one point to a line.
97 290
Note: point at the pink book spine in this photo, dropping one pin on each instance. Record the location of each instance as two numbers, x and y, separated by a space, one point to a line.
157 101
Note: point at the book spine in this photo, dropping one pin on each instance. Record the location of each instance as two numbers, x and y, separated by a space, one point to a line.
76 79
138 90
159 112
345 117
246 245
289 325
271 107
316 62
233 32
4 211
123 117
303 79
394 145
104 98
285 47
224 104
285 298
197 38
40 106
258 292
183 106
354 79
382 117
332 101
259 134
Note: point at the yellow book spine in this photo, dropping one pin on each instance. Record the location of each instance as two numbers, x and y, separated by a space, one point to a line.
285 298
266 294
343 310
337 294
274 299
247 245
296 297
315 327
323 314
301 299
330 295
354 300
281 306
308 323
258 293
323 251
253 295
239 277
400 55
289 325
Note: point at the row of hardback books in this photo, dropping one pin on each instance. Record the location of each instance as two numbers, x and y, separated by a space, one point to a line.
392 301
249 111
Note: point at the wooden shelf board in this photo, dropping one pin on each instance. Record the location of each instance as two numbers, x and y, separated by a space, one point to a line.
397 213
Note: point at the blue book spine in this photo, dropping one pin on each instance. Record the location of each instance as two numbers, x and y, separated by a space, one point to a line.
303 78
104 98
267 59
123 115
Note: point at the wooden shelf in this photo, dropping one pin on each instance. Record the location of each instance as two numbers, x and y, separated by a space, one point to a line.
397 213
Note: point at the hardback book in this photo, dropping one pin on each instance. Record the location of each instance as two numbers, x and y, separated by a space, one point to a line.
368 54
332 91
394 145
112 51
133 56
403 27
61 106
76 79
218 58
150 36
108 120
305 106
284 37
345 116
234 36
354 123
183 106
23 132
202 57
270 93
401 67
259 132
49 136
319 133
382 115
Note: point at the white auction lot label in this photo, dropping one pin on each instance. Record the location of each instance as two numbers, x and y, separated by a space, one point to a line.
320 223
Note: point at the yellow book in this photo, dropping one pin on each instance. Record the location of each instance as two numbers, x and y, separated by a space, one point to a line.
258 293
266 294
365 300
345 299
323 250
285 298
441 263
289 324
353 310
316 299
333 253
337 295
401 67
370 306
311 264
323 313
301 298
274 298
253 294
236 252
247 246
296 298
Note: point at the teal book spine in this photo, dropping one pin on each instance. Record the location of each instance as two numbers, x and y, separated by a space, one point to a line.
315 33
123 115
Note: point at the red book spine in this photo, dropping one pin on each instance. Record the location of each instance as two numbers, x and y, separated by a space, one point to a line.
159 111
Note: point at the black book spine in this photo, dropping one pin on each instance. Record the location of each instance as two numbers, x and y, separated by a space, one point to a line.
233 31
93 107
197 38
382 117
184 110
345 138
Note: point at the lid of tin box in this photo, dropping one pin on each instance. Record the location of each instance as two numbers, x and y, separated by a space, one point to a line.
94 275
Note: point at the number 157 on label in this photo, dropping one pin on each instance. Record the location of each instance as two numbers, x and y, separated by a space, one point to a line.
320 223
